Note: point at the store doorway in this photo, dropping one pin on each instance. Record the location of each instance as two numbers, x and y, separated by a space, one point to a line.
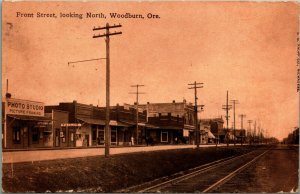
57 137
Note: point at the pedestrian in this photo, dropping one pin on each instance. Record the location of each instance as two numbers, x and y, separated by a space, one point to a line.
132 141
147 140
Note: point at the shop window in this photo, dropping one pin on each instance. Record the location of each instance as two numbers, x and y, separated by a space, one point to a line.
113 136
101 137
16 135
35 135
164 137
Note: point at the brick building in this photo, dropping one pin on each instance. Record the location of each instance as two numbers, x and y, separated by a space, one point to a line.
170 122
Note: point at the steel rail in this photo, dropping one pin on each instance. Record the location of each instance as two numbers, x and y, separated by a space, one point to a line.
191 169
211 165
232 174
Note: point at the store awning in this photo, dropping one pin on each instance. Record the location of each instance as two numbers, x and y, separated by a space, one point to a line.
210 135
92 121
118 123
189 127
30 118
151 126
102 122
163 127
208 132
129 123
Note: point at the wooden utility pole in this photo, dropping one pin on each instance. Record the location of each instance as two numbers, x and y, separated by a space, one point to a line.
242 118
137 109
250 136
107 35
197 131
234 102
227 107
254 132
7 95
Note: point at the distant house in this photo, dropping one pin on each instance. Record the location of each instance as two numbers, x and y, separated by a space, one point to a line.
240 135
212 130
206 136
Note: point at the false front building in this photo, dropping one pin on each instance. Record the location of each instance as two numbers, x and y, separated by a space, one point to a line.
24 125
83 125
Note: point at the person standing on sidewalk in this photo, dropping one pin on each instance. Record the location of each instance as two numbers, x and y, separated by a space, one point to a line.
132 140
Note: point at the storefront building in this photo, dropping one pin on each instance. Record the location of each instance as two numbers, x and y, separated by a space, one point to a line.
171 122
166 130
25 125
85 125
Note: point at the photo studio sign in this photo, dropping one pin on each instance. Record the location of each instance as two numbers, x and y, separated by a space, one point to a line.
24 107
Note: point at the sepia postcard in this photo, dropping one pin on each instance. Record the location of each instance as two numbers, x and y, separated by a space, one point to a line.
150 96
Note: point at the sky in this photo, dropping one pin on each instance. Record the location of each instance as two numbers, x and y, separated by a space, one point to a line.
246 48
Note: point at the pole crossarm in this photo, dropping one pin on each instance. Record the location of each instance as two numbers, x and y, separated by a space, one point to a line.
137 93
227 107
104 35
107 33
195 87
136 85
196 83
108 26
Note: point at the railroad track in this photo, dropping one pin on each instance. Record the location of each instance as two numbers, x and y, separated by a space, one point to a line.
204 178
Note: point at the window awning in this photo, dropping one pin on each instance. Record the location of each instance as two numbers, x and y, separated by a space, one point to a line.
29 118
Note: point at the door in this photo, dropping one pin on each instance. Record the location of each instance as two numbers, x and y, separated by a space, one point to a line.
57 137
87 140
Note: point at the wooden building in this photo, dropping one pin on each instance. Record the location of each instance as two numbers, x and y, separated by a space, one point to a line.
25 125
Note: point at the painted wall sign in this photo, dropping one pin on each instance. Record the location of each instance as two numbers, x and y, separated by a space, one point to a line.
70 125
24 107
